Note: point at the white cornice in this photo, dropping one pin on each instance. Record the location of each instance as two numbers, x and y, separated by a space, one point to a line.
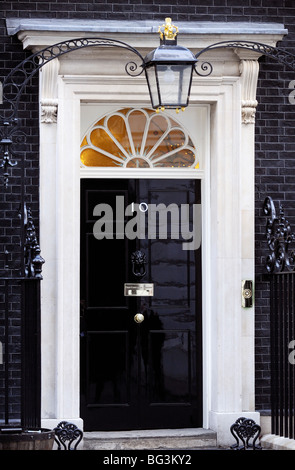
14 25
38 33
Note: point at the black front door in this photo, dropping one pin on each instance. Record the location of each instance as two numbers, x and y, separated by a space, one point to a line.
146 374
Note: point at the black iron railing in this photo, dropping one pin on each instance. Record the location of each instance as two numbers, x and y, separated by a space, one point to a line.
20 365
282 291
10 375
280 266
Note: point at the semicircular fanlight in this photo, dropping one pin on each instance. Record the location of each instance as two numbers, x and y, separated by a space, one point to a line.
137 138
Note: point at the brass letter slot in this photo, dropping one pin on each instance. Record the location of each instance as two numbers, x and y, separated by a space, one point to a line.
138 290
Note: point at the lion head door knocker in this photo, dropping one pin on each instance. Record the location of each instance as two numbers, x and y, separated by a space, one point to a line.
138 260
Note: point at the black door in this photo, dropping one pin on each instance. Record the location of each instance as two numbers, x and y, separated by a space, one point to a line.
140 375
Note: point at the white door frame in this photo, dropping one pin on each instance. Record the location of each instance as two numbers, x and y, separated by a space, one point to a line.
228 332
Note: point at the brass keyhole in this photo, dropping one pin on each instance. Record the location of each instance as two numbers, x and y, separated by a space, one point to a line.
138 318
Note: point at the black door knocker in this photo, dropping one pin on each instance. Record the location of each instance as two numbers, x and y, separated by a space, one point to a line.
138 260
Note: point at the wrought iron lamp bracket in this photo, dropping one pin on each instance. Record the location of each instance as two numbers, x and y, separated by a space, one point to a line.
16 81
18 78
280 55
276 53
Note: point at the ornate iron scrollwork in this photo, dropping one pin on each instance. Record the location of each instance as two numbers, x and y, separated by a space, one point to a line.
203 69
280 55
6 134
279 237
67 432
138 260
18 78
16 81
33 260
243 430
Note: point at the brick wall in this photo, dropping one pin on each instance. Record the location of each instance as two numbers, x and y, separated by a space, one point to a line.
275 162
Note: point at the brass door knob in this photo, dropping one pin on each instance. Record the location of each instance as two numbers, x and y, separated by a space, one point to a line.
138 318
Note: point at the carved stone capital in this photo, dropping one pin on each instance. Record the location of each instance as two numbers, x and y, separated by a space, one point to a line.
249 111
49 102
249 72
49 110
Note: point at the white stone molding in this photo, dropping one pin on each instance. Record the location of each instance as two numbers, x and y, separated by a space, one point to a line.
249 74
36 34
49 102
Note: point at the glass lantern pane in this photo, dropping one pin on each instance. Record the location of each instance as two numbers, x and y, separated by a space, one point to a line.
174 84
153 88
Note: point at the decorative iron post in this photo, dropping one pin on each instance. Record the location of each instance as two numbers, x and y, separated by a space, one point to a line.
279 238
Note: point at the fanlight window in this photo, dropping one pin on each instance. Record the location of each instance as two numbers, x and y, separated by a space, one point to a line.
137 138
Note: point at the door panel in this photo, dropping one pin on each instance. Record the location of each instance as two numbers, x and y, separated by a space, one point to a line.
108 383
169 379
113 273
145 375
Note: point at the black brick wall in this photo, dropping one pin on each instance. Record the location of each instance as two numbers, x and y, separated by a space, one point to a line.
275 162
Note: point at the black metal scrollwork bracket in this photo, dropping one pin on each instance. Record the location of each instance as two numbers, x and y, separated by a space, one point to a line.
19 77
279 238
15 82
65 434
246 433
275 53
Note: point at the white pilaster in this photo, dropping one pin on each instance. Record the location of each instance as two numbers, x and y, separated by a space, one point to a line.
249 75
59 207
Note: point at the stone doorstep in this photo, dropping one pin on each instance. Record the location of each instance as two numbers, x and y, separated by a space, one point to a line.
150 439
274 442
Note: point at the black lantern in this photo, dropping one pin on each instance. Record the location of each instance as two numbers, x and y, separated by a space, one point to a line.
169 70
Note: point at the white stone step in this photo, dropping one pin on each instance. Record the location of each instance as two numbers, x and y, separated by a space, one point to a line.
149 439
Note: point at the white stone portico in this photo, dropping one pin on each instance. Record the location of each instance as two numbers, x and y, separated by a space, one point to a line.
74 90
